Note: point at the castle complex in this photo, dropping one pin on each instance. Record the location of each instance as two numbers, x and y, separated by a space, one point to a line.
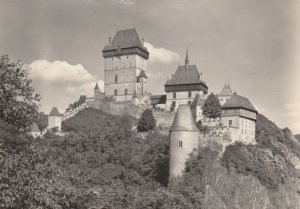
125 93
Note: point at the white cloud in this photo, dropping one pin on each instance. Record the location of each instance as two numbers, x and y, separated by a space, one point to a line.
87 88
59 71
161 54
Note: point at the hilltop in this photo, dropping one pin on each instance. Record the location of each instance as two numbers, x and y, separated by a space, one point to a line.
102 162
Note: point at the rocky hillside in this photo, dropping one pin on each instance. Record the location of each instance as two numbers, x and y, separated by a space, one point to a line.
265 175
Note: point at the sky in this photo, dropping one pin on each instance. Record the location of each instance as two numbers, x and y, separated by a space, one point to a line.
252 44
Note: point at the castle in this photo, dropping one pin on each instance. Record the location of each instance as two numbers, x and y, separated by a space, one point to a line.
125 93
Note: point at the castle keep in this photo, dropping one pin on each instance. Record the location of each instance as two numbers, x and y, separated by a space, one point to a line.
125 66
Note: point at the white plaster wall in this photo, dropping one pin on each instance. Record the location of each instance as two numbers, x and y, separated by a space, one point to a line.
54 121
179 155
182 97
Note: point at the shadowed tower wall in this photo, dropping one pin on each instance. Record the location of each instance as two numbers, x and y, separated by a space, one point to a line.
184 140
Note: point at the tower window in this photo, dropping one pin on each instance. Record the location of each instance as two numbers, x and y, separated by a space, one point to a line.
116 92
230 123
125 91
180 143
189 102
174 95
116 78
190 94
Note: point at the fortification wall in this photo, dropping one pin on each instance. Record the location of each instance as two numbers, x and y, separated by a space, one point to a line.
115 108
164 119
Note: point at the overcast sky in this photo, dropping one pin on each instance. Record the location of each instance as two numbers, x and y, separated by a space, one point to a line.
253 44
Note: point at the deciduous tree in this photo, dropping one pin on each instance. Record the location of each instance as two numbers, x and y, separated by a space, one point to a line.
212 107
18 102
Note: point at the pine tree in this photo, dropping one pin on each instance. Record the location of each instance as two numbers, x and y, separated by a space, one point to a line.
147 121
212 107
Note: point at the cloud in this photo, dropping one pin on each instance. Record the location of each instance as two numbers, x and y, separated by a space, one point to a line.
161 54
59 71
123 2
87 88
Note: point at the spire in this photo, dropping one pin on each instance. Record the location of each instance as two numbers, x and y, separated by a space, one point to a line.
97 87
187 57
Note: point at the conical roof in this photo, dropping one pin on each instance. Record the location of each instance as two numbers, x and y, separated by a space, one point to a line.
96 87
34 127
184 120
226 91
54 112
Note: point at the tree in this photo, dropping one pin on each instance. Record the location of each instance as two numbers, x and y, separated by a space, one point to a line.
212 107
147 121
18 102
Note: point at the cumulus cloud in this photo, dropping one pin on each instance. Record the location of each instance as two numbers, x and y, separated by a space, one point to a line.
59 71
86 88
161 54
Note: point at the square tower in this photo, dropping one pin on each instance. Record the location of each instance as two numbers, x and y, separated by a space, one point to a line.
125 66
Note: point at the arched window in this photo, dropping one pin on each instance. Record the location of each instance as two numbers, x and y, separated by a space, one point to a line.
116 92
125 91
116 78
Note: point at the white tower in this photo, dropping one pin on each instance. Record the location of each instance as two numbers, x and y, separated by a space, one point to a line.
125 67
184 140
54 119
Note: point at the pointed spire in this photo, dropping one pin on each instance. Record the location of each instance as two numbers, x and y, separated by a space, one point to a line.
96 87
187 57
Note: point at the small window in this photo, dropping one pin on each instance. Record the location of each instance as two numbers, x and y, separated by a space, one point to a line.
129 64
180 143
190 94
230 123
189 102
116 92
125 92
116 78
174 95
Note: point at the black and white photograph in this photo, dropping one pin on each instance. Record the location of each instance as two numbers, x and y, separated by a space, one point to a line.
149 104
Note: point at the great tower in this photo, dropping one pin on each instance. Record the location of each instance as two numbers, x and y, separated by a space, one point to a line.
125 66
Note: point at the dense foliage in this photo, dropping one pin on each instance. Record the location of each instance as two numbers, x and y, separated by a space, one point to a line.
265 161
212 107
147 121
18 102
77 103
28 179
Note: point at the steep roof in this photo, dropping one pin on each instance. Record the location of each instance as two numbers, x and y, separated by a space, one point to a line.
128 38
237 101
198 101
54 112
185 75
96 87
226 91
184 120
143 74
34 127
158 99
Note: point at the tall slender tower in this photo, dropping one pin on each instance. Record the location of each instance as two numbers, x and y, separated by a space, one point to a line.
125 70
184 139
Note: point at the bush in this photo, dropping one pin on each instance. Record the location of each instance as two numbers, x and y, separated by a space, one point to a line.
147 121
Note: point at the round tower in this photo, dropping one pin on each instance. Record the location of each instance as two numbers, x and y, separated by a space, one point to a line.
184 139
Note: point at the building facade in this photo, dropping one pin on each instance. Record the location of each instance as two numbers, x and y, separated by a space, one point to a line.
184 85
184 140
54 119
239 114
196 108
125 66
